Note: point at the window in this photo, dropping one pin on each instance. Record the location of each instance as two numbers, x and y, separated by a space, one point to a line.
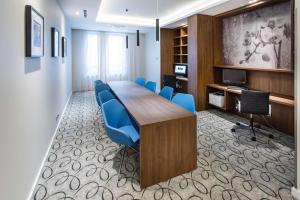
92 55
116 54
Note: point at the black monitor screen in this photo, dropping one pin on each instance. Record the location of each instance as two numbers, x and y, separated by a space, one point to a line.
234 77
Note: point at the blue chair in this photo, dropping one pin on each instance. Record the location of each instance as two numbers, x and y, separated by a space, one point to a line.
140 81
186 101
151 86
99 88
96 82
167 92
105 96
119 126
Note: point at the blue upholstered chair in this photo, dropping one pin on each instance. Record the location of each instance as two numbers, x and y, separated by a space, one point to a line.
140 81
151 86
99 88
186 101
167 92
119 126
96 82
105 96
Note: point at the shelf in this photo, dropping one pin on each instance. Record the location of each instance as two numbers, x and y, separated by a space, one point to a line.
180 63
181 54
184 45
254 69
182 36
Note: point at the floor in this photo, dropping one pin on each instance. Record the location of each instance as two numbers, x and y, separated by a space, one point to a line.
230 165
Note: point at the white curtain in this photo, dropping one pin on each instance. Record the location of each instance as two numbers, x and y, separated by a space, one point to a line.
111 62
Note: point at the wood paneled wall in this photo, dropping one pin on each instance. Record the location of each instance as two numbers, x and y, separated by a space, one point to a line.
166 52
200 58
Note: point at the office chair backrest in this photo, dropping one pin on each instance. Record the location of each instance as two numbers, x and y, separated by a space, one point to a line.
150 85
105 96
167 92
96 82
140 81
255 102
186 101
169 80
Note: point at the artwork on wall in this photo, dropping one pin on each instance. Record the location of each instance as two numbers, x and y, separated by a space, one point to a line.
34 33
54 42
261 38
64 46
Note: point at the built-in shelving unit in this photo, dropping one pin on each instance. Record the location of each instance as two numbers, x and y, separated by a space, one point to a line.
254 69
181 45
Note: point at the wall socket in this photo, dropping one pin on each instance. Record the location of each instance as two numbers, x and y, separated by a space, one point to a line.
57 117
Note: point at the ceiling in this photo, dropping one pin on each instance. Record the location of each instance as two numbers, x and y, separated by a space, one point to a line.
111 15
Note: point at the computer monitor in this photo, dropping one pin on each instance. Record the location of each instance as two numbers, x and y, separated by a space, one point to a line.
234 77
180 70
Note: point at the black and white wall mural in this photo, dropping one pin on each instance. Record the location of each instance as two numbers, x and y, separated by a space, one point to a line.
260 38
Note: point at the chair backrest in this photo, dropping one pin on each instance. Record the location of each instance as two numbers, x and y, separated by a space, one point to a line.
186 101
255 102
167 92
150 85
115 116
169 80
105 96
101 87
140 81
96 82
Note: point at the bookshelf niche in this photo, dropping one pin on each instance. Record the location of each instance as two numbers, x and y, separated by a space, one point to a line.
181 45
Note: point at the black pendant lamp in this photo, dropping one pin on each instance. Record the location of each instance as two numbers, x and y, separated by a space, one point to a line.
157 22
126 41
138 38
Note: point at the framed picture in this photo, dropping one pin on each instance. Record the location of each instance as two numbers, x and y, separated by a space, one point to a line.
34 33
54 42
64 46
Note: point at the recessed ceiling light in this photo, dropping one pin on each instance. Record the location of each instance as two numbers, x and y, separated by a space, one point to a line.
77 13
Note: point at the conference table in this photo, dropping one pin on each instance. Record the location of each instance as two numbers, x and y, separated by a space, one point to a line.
168 139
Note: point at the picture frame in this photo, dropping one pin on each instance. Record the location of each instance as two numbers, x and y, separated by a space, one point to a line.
34 33
64 46
54 42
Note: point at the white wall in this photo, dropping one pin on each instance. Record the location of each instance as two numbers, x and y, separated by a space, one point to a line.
152 58
33 92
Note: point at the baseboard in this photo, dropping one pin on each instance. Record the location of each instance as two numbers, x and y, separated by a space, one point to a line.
48 149
295 193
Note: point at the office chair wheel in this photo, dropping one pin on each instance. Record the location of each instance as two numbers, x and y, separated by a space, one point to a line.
238 123
104 159
253 138
271 136
233 130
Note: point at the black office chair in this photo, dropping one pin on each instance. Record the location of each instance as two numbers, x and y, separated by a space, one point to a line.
253 103
169 80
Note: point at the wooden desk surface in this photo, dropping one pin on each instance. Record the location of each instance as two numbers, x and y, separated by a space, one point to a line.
145 106
273 99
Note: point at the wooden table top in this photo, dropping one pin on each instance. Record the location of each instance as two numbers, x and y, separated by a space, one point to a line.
145 106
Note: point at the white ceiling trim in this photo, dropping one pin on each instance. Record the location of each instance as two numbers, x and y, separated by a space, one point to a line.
149 22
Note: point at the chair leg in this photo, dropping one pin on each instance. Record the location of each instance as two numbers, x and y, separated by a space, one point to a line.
122 160
252 128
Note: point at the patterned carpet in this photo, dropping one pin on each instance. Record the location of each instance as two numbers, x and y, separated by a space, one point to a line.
230 165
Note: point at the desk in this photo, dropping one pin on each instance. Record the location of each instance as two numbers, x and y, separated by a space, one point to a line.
273 99
168 138
282 117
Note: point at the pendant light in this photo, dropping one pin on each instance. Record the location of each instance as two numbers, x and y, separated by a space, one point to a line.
138 38
126 41
157 22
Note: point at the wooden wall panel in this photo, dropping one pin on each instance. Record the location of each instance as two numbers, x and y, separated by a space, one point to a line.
200 59
167 52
